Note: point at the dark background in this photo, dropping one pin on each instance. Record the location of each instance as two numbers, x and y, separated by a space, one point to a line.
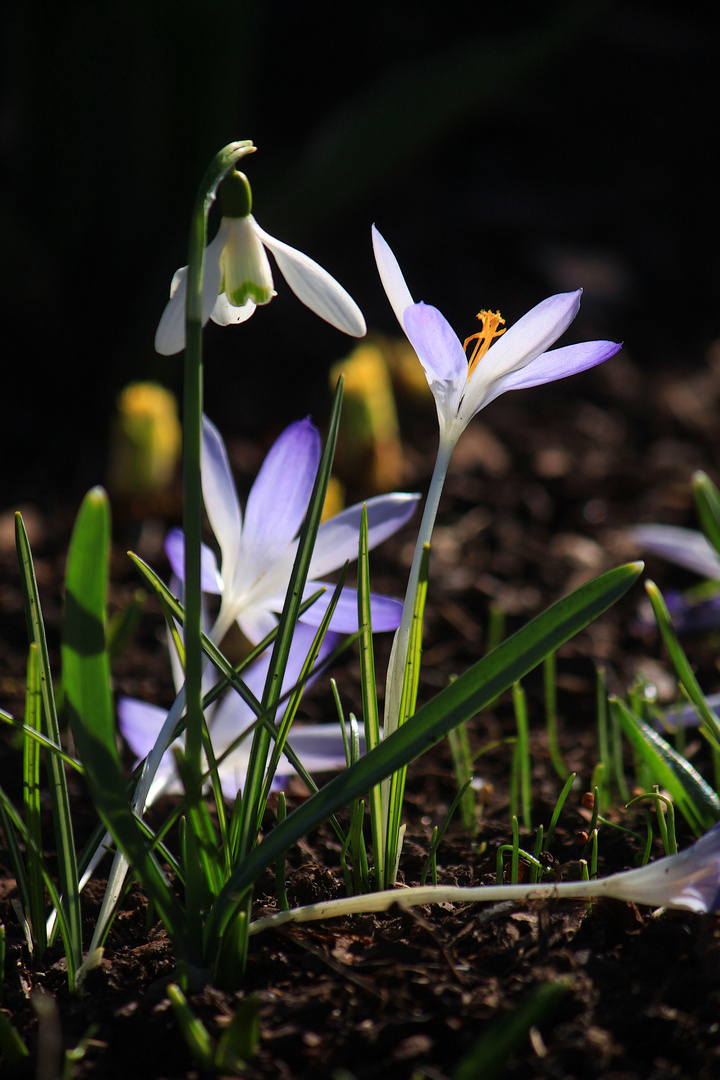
505 151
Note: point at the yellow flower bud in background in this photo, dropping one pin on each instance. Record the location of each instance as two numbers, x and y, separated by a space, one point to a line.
368 451
145 441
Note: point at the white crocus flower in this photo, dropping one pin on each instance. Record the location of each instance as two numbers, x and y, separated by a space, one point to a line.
500 360
237 276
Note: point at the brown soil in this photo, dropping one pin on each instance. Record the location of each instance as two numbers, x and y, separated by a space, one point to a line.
538 495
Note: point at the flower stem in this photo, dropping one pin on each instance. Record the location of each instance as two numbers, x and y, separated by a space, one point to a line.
398 661
192 521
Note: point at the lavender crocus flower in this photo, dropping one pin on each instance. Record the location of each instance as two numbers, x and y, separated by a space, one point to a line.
320 747
693 551
500 360
257 552
684 547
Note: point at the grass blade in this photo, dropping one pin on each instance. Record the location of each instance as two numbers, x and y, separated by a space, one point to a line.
59 801
459 701
696 800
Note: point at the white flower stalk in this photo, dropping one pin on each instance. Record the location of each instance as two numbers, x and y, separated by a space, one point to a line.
689 881
237 277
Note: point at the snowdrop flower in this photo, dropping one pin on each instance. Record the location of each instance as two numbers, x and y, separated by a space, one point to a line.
499 360
237 276
257 553
320 747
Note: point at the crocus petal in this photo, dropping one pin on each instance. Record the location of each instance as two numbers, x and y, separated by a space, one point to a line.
320 747
337 539
685 547
210 578
688 880
233 716
220 498
315 287
442 356
140 724
170 334
256 622
391 276
552 365
385 611
279 498
530 336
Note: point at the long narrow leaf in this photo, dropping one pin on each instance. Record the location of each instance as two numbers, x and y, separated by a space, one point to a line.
59 801
681 662
249 820
368 687
456 703
31 803
707 501
86 675
695 799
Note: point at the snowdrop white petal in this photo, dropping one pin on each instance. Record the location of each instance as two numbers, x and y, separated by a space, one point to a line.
246 273
315 287
170 334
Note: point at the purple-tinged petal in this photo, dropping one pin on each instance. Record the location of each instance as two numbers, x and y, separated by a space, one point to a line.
553 365
687 715
685 547
337 539
220 498
140 724
233 716
385 611
530 336
320 747
391 277
689 880
317 289
438 348
256 623
279 497
210 578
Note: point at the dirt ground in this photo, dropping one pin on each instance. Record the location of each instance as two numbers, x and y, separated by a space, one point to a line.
539 494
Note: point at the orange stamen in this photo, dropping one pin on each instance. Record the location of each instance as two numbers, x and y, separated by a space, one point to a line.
490 321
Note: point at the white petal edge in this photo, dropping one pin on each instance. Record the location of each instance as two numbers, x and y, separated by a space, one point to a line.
391 276
315 287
